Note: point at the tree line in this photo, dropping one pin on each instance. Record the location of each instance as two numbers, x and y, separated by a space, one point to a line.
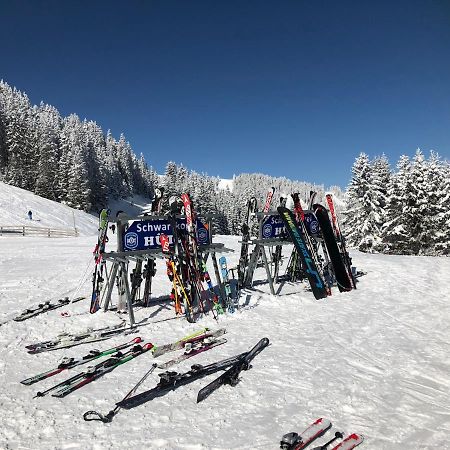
401 211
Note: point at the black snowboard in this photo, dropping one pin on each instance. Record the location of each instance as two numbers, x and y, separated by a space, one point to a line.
342 277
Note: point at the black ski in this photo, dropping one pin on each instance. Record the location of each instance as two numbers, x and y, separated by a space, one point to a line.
340 271
297 236
231 376
170 381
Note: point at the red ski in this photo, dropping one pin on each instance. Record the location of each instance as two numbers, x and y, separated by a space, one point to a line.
295 441
349 442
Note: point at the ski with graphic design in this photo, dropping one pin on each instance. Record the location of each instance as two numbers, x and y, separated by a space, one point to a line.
216 301
343 279
170 381
269 198
198 336
349 442
298 238
97 371
192 350
295 441
179 290
44 307
232 304
231 375
278 250
340 239
97 277
245 229
69 363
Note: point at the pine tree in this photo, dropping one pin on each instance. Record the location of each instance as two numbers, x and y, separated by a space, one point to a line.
360 217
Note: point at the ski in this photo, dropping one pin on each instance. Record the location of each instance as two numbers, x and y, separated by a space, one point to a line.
192 350
44 307
97 277
69 363
94 373
170 381
298 238
231 376
245 229
295 441
340 239
349 442
198 336
71 340
269 198
343 279
231 304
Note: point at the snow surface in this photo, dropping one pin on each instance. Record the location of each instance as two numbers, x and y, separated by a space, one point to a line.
374 361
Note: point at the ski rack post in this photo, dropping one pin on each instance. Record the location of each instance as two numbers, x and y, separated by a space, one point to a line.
270 235
134 232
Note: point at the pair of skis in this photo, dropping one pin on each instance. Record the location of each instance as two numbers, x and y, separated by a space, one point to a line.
97 277
295 441
44 307
170 381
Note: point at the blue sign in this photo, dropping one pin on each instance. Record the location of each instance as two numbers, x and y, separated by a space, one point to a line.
272 227
312 225
144 234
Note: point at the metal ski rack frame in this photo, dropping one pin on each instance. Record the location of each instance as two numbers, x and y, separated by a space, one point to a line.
259 250
122 256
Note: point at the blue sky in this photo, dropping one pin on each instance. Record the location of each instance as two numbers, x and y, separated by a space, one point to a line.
289 88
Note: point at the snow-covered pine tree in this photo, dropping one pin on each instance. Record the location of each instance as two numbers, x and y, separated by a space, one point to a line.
381 174
360 217
47 129
395 229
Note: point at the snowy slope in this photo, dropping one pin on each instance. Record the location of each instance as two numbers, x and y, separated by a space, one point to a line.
374 361
15 204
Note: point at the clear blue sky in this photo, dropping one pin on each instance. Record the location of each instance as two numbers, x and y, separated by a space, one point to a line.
289 88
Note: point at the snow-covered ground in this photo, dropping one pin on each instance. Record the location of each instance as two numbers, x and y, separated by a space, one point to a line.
374 361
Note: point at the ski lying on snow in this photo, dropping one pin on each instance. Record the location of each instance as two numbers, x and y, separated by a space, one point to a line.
195 337
193 350
231 375
44 307
295 441
349 442
69 363
170 381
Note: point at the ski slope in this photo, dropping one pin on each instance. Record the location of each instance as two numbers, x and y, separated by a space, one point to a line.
374 361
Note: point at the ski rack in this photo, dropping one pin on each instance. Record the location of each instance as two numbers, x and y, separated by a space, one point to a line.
122 257
259 251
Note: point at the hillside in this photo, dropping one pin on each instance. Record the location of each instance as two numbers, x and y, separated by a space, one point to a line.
15 204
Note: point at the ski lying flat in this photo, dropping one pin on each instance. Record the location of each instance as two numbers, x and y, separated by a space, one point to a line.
170 381
349 442
194 337
295 441
297 236
44 307
197 348
231 375
69 363
98 371
69 340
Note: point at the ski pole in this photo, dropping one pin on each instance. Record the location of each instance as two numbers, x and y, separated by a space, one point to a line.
94 415
337 435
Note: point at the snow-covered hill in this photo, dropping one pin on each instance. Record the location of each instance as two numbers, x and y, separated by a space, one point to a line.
15 204
373 361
